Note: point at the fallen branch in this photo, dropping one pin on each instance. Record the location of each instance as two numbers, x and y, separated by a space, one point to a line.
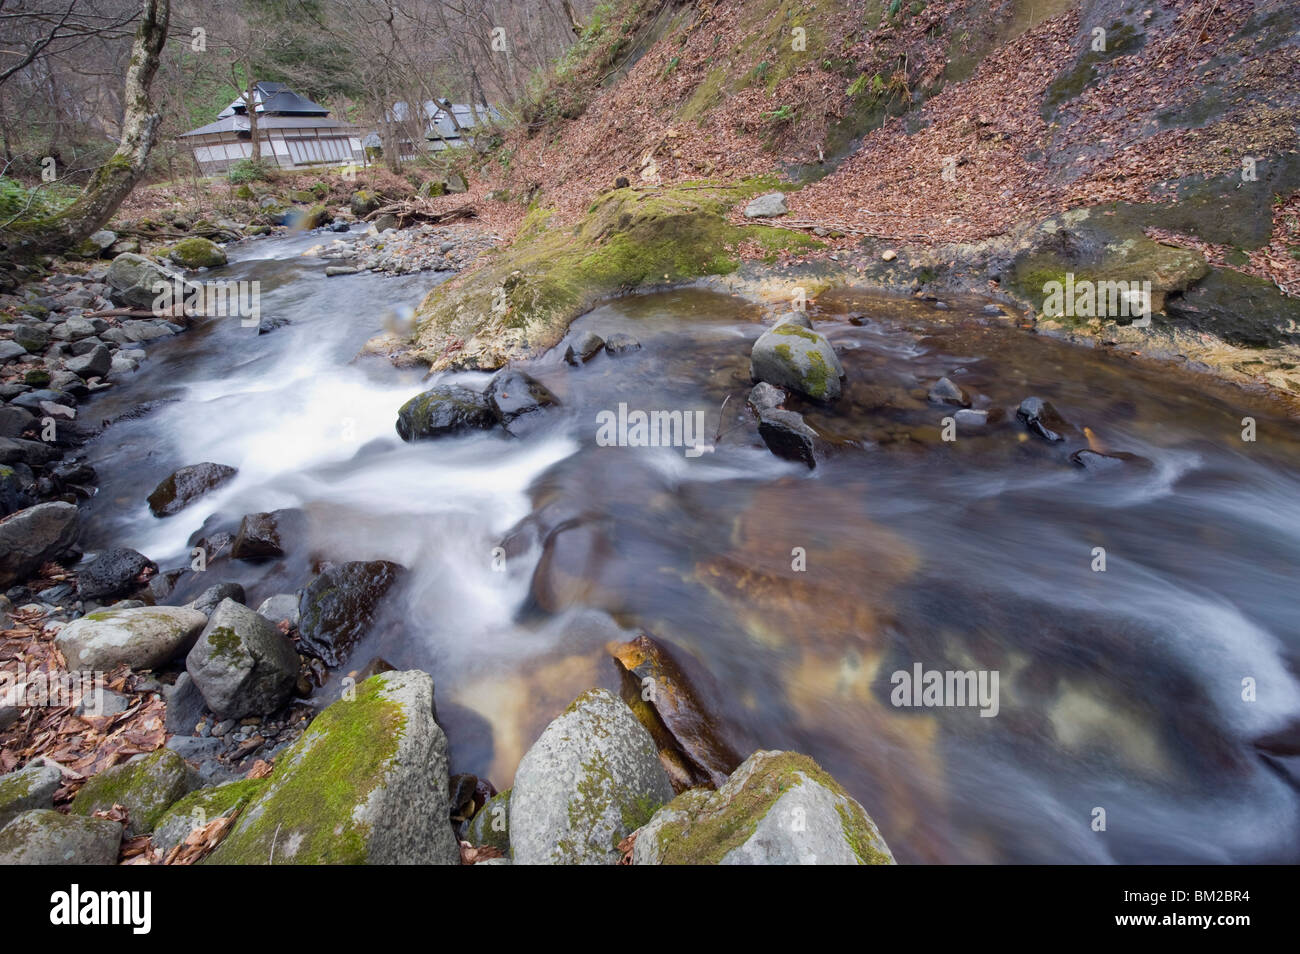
410 211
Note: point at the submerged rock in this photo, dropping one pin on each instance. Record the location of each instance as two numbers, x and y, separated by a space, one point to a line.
799 359
241 663
338 606
46 837
764 396
142 637
444 410
691 749
514 394
33 536
621 344
1041 418
1111 462
584 348
186 485
945 392
777 808
366 784
589 781
146 787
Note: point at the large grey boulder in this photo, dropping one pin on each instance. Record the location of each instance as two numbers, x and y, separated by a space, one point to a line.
27 789
241 663
146 787
96 363
777 808
767 206
32 536
589 781
132 277
366 784
796 358
143 637
45 837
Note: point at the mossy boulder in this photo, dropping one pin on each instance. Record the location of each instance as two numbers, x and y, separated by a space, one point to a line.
1241 309
142 637
366 784
589 781
200 807
523 301
197 253
46 837
27 789
132 277
1080 246
241 663
444 410
146 786
776 808
796 358
490 825
363 202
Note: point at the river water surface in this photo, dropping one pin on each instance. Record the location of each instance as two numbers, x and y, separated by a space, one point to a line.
790 596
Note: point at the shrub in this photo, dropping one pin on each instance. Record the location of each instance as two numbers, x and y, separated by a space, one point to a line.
248 170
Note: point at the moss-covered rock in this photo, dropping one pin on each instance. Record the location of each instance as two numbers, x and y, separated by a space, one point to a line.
776 808
146 786
589 781
490 825
28 788
45 837
524 300
792 356
445 410
363 202
366 784
200 807
241 663
197 253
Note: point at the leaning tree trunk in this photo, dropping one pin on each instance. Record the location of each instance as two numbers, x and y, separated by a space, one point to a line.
114 180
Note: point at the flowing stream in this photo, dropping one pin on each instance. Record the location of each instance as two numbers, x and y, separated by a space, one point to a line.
789 596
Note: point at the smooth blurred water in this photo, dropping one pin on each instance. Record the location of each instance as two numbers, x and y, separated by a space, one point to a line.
1120 690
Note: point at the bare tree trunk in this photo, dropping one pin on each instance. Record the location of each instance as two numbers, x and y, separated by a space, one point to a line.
114 180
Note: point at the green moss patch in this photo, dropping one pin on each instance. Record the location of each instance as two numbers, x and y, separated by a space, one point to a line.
306 813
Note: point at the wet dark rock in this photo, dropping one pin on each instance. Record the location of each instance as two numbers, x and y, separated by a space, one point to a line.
13 492
187 484
621 344
113 573
786 435
264 536
513 393
1111 462
1041 418
945 392
337 608
375 667
445 410
588 345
